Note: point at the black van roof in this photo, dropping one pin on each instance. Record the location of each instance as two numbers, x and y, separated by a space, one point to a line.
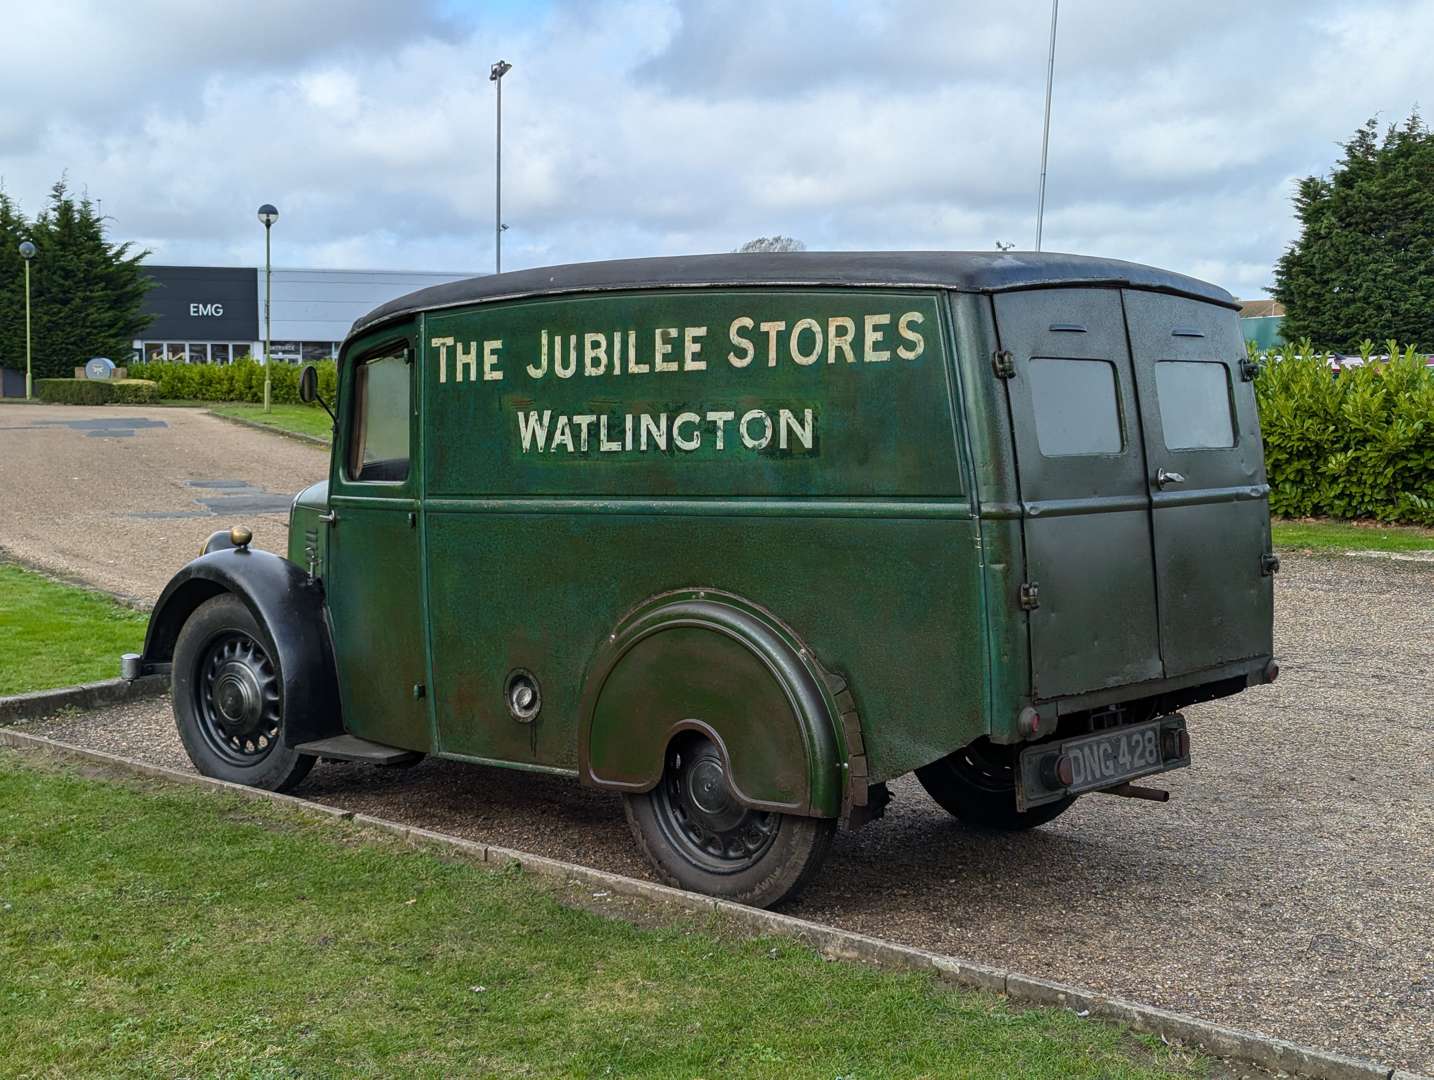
966 271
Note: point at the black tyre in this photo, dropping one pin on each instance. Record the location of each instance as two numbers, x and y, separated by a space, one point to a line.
978 785
229 701
699 837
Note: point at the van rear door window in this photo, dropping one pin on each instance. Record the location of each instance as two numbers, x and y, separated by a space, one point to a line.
1076 406
1195 406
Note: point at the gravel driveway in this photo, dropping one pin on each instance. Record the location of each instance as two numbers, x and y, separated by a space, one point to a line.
121 497
1287 887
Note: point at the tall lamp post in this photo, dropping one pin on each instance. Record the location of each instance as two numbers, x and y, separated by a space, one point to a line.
1046 131
268 214
495 75
27 252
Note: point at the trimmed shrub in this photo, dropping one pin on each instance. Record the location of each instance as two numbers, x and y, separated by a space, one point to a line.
134 391
96 392
73 391
1356 445
243 380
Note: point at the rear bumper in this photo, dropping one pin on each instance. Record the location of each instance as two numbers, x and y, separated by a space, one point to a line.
1204 685
1163 696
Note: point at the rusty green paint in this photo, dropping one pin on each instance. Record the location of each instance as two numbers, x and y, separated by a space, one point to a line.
713 662
890 542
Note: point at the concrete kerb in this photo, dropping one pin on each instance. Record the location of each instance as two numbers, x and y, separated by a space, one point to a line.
84 696
314 440
829 941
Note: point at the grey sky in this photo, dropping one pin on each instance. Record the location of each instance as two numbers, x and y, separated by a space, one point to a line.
657 126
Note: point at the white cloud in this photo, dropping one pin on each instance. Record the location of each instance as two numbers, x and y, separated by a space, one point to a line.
652 127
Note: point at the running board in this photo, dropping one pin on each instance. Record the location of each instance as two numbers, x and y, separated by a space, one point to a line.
352 748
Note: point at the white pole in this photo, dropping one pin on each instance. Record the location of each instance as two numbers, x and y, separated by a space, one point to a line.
498 187
267 279
1046 133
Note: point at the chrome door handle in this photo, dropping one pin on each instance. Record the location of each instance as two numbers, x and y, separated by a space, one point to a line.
330 518
1162 478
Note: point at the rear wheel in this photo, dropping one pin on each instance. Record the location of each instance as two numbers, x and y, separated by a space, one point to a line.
229 699
978 785
698 836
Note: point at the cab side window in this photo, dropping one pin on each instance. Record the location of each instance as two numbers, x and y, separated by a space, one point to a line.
379 436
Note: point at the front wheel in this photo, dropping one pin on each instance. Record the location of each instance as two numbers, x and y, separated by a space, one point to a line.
229 699
978 785
698 836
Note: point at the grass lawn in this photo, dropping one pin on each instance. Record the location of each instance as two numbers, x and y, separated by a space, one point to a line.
57 635
1326 536
147 929
304 419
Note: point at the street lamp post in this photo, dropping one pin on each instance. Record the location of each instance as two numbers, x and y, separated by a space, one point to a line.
268 214
1046 130
495 75
27 252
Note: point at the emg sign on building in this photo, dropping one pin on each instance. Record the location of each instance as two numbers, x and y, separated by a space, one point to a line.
215 314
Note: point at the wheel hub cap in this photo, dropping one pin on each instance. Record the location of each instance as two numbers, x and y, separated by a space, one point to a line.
237 696
238 699
699 811
711 796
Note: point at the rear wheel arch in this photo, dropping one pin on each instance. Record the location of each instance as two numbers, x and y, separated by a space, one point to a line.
706 661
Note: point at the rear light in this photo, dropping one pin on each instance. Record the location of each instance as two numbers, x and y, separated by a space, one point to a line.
1175 744
1057 771
1028 723
1272 671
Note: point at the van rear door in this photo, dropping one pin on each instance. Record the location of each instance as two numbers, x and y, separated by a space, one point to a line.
1210 502
1085 490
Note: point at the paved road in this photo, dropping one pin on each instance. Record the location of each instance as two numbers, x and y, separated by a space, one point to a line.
122 497
1287 887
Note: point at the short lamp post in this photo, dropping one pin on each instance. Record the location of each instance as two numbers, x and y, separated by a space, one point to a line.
27 252
268 214
495 76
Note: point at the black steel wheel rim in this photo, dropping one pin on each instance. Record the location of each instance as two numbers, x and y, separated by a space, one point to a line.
700 816
236 698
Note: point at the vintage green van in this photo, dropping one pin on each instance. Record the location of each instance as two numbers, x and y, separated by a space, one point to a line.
744 537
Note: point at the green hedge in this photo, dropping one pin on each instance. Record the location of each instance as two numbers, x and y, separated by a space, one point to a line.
1359 445
242 380
96 392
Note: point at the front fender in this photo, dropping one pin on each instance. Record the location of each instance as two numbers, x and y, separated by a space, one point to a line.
711 662
286 603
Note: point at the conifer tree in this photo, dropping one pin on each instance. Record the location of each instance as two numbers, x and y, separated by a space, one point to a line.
1363 266
86 294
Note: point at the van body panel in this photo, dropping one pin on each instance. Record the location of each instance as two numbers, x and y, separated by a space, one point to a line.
1212 526
1080 458
541 588
856 530
374 573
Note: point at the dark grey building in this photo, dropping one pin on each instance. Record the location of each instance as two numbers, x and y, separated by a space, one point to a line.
215 314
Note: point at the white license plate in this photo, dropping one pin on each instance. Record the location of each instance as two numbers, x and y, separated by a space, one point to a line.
1102 760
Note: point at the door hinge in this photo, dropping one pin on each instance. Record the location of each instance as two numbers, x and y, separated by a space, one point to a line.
1269 564
1248 369
1030 596
412 520
1003 363
419 691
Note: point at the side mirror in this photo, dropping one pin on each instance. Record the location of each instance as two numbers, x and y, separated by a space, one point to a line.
309 390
